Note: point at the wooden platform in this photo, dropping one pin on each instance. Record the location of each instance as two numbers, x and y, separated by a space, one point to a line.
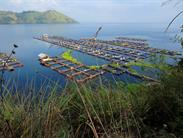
79 73
10 65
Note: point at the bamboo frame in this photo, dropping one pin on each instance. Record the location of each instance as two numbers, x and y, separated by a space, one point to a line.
72 67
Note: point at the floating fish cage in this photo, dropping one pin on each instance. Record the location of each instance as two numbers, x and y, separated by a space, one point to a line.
104 51
77 72
108 45
138 45
8 64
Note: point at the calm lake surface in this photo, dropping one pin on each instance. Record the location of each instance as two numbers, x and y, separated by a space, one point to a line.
29 48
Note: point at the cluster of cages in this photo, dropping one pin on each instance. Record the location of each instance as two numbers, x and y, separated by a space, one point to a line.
74 71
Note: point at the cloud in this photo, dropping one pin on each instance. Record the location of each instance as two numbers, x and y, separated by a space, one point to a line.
99 10
16 1
31 1
20 5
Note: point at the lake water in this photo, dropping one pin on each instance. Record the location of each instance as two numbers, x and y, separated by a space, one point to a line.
29 48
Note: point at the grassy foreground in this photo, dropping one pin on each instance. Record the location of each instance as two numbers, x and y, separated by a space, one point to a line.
79 111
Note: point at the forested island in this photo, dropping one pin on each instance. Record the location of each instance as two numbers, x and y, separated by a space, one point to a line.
34 17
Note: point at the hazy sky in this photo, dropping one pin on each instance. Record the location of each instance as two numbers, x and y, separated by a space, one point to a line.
111 11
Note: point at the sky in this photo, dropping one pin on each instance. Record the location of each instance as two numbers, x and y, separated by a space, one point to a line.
102 11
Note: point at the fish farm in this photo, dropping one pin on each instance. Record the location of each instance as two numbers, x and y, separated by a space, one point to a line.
101 50
136 44
77 72
9 63
130 50
120 51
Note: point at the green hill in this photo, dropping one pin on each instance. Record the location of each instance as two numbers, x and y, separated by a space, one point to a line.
34 17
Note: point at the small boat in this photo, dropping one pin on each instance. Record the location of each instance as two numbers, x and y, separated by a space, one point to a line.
44 57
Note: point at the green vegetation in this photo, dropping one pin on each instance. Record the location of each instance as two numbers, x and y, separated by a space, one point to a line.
133 71
115 65
2 55
81 111
154 62
34 17
68 56
140 63
95 67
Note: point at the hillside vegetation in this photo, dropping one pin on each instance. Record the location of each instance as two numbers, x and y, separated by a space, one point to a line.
34 17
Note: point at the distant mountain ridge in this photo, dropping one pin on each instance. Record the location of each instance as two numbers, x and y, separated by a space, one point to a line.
34 17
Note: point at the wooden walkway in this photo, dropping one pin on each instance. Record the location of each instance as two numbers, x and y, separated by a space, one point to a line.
9 65
79 73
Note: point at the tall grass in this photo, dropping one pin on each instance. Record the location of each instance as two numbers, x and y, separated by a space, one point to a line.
81 111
